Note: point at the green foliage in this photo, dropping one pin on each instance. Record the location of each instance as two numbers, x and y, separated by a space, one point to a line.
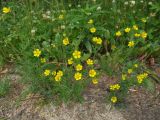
49 39
149 84
1 61
4 86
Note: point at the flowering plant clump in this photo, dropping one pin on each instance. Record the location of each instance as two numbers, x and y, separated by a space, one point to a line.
132 76
64 48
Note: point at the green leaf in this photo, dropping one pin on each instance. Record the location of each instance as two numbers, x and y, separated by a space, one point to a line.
85 57
88 46
149 85
57 38
107 34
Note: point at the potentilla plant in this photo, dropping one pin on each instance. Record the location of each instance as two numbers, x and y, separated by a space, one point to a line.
135 44
62 50
133 75
69 59
73 54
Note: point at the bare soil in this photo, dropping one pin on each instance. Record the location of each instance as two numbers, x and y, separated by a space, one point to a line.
139 105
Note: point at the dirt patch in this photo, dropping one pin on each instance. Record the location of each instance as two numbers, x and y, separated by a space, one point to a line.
94 107
140 105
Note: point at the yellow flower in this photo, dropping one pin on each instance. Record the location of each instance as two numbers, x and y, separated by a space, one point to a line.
78 76
136 65
76 54
94 39
127 30
144 20
65 41
54 73
90 21
114 99
130 71
137 35
6 10
95 81
111 87
124 76
115 87
61 17
144 35
79 67
92 73
43 60
99 41
141 77
93 30
145 75
37 52
47 72
131 44
135 27
70 61
57 78
89 62
60 73
118 34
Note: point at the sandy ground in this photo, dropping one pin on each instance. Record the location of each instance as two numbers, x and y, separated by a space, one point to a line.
31 110
140 105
